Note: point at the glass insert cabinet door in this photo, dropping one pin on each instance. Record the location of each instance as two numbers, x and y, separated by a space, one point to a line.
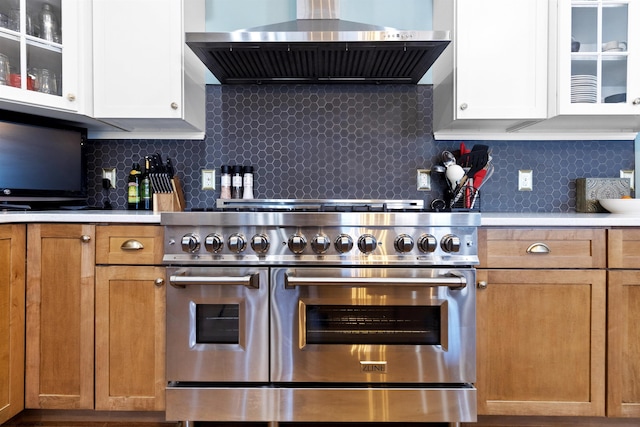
598 49
33 49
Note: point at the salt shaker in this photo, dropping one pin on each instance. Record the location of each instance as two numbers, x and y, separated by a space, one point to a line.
225 182
247 182
236 182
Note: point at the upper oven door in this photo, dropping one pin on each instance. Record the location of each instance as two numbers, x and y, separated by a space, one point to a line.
373 325
218 324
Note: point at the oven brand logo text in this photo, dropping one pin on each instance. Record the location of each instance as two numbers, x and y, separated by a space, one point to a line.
373 367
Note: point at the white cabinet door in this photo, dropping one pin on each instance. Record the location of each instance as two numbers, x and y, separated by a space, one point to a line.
501 59
32 55
139 66
598 51
493 77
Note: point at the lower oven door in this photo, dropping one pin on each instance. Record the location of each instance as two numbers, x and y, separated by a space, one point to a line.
218 324
373 325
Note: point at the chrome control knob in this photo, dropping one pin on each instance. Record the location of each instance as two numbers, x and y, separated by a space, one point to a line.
297 243
403 243
320 243
344 243
237 243
260 244
450 243
190 243
213 243
367 243
427 243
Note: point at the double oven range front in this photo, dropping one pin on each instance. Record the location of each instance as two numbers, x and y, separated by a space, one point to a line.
288 316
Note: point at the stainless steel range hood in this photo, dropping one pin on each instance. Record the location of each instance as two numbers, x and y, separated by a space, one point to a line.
318 48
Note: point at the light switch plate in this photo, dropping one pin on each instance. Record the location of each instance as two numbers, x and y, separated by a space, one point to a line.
424 179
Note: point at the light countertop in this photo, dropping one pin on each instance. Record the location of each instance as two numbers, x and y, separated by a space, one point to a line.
81 216
570 219
489 219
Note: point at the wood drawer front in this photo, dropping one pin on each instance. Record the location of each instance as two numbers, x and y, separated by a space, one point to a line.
568 248
129 244
624 248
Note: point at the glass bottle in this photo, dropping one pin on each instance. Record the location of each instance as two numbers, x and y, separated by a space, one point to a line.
225 182
145 187
247 182
236 182
133 188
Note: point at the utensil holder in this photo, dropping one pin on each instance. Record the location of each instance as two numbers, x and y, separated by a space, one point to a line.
468 201
170 202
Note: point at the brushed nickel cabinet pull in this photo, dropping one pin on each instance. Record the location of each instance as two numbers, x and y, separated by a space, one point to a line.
482 284
85 238
159 282
538 248
132 245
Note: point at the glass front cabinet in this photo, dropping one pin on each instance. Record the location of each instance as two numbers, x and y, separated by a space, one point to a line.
599 57
39 53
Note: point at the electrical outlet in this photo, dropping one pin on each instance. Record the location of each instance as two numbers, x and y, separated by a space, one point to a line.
424 179
110 174
525 180
208 179
629 175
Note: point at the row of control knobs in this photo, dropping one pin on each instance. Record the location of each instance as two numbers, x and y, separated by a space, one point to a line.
320 243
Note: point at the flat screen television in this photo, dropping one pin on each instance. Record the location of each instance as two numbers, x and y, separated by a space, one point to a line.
41 165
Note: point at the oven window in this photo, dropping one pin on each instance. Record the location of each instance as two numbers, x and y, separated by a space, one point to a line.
386 325
217 323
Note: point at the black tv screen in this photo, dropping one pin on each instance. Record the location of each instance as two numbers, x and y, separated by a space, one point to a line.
41 164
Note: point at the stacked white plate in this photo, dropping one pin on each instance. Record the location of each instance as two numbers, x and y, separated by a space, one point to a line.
584 88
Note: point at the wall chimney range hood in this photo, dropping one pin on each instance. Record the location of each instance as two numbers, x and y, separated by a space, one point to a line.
319 48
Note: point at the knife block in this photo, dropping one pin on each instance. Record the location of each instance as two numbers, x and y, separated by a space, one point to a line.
170 202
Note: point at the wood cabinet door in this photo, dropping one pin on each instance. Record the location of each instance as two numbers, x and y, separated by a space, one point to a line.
130 338
60 307
12 283
541 342
623 367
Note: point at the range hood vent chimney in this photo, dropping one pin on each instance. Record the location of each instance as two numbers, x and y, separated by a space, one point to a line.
319 48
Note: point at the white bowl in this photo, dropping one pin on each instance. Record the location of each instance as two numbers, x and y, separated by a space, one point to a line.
621 206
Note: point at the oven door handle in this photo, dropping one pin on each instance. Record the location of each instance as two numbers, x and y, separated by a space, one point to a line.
250 281
453 282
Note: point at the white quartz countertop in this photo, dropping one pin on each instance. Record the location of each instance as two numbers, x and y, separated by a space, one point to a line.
570 219
489 219
81 216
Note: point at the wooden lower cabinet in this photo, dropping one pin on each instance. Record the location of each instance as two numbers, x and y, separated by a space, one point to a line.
541 342
130 338
60 312
623 387
12 321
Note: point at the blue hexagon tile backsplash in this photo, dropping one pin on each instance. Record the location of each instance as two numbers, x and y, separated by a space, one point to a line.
351 141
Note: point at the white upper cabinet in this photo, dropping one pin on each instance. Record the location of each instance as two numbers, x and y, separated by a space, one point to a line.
146 79
598 57
43 56
493 76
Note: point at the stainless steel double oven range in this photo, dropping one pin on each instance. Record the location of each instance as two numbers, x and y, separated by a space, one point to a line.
321 311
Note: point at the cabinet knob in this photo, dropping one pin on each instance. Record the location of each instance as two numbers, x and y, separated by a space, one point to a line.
636 101
71 97
159 282
85 239
174 105
482 284
464 106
